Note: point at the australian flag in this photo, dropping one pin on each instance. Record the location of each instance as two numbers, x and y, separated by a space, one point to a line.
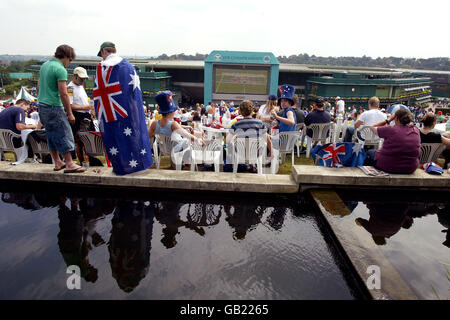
119 110
341 154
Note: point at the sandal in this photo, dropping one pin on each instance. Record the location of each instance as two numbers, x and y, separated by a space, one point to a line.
76 170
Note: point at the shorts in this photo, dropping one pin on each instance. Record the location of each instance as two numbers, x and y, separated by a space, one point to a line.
57 128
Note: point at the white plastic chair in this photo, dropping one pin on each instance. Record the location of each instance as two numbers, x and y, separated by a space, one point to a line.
164 145
286 144
249 151
429 152
210 153
38 147
368 137
211 133
338 131
321 133
6 142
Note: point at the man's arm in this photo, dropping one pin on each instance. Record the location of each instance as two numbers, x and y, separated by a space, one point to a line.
384 122
358 123
289 120
445 139
22 126
62 88
77 107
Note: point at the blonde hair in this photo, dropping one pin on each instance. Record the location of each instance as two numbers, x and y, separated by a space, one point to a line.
374 101
270 105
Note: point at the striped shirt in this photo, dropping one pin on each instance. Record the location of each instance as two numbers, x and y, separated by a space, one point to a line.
251 124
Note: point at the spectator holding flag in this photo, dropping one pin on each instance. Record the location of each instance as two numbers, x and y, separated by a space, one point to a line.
119 110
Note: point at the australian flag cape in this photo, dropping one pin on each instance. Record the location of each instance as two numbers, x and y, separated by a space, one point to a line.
341 154
119 110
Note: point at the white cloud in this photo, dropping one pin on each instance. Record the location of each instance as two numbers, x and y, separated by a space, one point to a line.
327 28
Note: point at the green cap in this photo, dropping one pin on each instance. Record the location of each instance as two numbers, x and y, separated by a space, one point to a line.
104 45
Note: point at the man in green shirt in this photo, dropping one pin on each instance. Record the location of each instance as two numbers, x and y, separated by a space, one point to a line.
51 98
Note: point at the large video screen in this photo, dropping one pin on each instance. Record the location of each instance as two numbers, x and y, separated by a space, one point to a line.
241 81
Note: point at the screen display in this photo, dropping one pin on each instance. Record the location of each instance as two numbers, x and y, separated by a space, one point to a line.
241 81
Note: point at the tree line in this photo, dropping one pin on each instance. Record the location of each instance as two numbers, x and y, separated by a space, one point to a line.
439 63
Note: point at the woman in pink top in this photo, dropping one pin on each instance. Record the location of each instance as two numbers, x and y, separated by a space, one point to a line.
401 146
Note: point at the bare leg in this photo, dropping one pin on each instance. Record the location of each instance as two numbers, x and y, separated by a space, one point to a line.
69 162
56 159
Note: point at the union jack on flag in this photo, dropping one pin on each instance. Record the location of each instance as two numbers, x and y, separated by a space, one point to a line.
341 154
120 112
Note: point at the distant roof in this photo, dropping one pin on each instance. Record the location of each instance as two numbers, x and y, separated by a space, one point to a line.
21 75
284 67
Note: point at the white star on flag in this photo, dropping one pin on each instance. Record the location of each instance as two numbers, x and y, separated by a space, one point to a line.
113 151
143 151
357 148
127 132
135 81
133 163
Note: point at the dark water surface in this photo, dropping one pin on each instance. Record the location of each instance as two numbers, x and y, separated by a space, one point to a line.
165 246
412 230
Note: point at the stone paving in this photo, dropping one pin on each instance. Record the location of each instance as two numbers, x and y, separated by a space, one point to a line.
153 178
323 176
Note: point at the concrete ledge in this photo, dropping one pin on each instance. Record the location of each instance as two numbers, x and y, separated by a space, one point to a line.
316 175
154 179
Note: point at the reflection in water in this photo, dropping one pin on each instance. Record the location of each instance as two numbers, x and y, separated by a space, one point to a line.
85 224
385 220
276 218
444 219
76 225
130 242
204 215
168 214
243 218
72 240
23 200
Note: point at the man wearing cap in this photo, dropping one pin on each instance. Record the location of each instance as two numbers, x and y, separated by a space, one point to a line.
79 102
120 113
51 98
318 115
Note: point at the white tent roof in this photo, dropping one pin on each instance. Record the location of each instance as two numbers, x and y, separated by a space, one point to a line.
23 94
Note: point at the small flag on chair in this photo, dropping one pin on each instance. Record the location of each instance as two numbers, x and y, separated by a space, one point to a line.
341 154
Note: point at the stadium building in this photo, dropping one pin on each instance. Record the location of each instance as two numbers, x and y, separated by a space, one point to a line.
235 76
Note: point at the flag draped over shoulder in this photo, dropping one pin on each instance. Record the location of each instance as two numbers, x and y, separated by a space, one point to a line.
341 154
118 106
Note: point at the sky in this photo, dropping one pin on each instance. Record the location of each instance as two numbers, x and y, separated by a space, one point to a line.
377 28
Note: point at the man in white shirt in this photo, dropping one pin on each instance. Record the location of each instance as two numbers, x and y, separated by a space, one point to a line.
340 106
367 118
81 109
